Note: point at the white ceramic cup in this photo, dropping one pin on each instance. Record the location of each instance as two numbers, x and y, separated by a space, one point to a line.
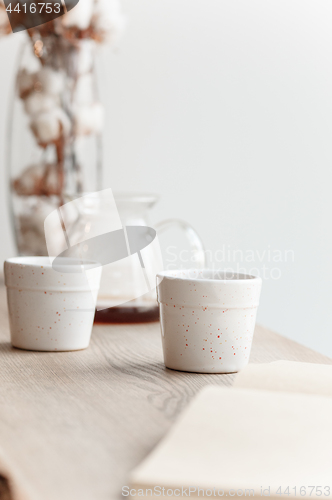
207 319
51 310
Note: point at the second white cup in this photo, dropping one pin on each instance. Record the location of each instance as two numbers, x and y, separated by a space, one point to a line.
207 319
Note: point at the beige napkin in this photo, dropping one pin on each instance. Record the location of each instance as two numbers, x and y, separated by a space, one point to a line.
289 376
244 439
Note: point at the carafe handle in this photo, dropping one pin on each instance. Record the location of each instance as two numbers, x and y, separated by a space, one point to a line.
194 239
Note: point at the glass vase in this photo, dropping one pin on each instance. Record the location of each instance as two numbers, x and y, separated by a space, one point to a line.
54 143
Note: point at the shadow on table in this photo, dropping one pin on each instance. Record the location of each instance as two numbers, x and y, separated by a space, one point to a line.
6 347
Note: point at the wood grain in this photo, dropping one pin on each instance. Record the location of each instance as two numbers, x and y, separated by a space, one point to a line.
74 424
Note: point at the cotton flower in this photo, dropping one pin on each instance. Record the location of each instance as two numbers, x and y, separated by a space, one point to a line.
31 223
49 126
84 92
89 119
51 81
108 20
28 182
37 102
36 180
85 56
80 16
25 83
31 235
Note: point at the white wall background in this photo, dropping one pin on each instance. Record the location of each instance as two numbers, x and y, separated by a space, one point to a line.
225 108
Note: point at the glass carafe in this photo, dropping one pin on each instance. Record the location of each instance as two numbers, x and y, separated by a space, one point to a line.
124 296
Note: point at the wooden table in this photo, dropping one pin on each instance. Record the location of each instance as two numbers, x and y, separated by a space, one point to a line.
74 424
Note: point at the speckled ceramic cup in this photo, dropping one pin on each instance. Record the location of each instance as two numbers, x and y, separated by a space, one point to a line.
207 319
51 310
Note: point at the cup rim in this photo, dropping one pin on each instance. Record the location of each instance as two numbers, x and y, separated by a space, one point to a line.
241 277
47 262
